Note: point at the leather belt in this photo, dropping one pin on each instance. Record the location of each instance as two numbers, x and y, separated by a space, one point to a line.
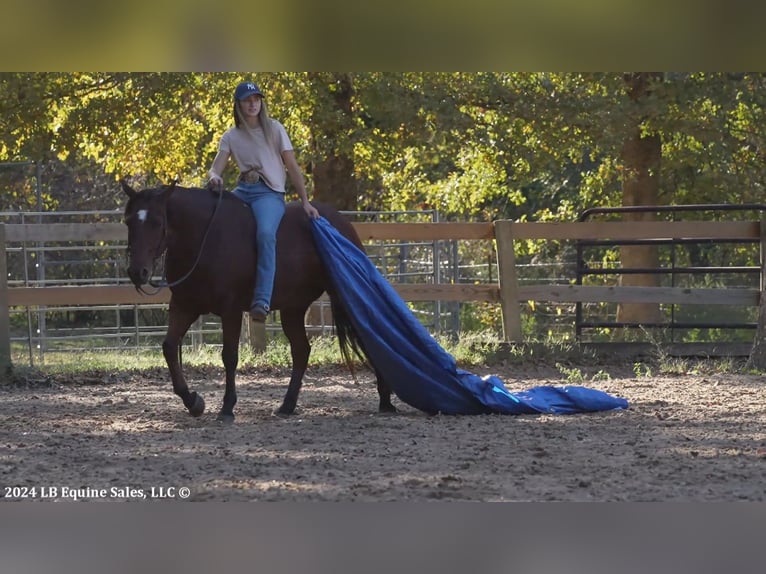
250 176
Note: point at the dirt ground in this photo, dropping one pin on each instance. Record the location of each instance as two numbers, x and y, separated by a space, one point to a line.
123 436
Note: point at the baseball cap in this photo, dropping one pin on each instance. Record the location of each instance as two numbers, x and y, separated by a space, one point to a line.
245 89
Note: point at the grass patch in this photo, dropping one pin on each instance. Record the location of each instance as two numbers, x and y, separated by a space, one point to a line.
469 350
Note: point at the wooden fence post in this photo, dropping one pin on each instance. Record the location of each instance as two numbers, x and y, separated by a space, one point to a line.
255 334
757 357
509 287
5 321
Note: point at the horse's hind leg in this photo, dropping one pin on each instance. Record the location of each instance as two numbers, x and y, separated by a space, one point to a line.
178 323
294 329
232 325
384 392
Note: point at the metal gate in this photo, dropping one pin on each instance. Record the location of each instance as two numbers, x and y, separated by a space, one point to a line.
684 260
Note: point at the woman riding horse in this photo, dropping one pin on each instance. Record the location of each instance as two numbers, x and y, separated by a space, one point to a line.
262 150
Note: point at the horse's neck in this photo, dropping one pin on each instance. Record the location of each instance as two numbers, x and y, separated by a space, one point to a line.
187 215
197 214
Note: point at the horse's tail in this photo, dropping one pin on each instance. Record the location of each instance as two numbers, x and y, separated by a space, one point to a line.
351 345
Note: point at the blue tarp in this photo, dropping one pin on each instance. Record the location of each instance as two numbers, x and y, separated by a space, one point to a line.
410 361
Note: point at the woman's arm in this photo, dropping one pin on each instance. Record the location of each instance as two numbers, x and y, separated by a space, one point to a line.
296 177
215 181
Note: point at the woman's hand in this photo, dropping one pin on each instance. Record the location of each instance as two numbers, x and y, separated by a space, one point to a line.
215 183
310 210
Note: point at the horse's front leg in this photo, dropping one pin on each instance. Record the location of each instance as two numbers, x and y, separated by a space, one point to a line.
178 323
232 325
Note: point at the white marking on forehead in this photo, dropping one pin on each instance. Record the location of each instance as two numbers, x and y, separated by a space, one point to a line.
142 213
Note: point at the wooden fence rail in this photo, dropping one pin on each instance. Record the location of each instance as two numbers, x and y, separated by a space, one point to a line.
506 292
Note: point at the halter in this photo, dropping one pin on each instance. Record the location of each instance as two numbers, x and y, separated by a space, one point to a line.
161 248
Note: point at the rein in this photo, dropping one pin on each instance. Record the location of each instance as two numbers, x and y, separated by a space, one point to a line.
163 282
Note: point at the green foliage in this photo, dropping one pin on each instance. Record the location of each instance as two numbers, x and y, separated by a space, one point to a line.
573 375
642 371
469 350
472 348
481 317
473 145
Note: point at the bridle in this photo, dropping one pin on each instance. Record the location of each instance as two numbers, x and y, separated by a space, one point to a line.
162 247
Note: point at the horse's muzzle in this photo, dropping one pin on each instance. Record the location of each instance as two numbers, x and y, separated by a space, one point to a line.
139 276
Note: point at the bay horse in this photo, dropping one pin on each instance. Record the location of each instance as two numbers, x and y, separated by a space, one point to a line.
208 239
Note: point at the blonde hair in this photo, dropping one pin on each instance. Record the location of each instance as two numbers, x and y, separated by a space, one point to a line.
263 117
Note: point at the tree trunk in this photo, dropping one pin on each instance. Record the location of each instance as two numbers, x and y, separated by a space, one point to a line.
641 155
334 182
333 172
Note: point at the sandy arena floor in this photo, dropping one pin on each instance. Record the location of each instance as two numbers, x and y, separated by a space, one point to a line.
126 436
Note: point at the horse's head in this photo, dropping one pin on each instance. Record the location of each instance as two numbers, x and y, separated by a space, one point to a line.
146 218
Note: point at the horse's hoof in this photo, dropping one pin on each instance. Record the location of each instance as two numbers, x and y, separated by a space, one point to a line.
284 411
225 419
387 409
198 407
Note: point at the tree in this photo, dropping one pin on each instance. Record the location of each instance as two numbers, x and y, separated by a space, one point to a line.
331 120
472 145
641 157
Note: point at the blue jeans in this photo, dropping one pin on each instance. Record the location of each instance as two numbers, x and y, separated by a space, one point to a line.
268 207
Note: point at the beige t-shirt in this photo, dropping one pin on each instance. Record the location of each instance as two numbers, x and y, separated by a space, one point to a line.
250 150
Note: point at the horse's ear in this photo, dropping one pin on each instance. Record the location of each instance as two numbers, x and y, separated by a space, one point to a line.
169 189
127 189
